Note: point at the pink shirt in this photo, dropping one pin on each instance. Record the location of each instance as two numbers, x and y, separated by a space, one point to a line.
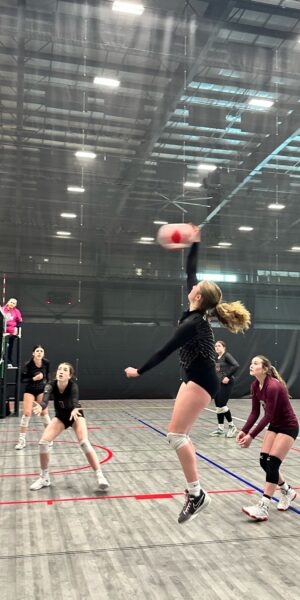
14 318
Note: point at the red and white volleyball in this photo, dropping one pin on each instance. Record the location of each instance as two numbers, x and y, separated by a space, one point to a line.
175 236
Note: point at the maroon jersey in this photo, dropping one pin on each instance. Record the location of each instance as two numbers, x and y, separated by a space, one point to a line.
278 410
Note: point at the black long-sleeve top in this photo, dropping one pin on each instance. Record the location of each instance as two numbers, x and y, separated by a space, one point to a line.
63 401
194 334
278 410
30 370
226 366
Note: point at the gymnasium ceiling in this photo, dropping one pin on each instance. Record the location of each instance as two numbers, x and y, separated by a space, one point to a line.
187 71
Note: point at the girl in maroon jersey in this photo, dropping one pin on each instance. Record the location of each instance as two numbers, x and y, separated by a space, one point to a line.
271 391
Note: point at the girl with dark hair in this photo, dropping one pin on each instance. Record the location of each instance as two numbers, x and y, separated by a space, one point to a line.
195 339
68 413
226 367
35 375
271 391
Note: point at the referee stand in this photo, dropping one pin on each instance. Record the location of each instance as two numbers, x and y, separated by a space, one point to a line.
10 377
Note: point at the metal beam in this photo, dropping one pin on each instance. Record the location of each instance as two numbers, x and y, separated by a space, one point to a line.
175 90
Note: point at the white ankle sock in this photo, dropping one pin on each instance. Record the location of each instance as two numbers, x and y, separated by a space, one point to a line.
194 488
44 473
266 501
284 486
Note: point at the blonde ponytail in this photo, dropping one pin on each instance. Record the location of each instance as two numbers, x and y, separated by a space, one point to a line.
233 315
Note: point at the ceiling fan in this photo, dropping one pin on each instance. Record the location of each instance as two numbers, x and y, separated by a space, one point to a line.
178 203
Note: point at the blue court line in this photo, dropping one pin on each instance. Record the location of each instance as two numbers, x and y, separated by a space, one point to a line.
215 464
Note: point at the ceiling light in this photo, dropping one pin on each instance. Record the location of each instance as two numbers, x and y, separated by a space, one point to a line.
160 222
46 259
76 189
261 102
107 82
224 244
245 228
276 206
192 184
66 233
85 154
295 248
128 7
206 167
68 215
147 239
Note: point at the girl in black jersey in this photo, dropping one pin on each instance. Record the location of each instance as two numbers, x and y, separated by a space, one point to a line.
68 413
226 367
35 375
195 339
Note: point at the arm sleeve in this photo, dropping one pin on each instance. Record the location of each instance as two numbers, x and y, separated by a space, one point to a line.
47 369
46 396
181 335
270 409
25 374
232 364
75 395
253 415
18 318
191 266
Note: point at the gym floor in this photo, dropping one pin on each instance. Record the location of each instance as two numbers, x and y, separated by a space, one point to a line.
71 542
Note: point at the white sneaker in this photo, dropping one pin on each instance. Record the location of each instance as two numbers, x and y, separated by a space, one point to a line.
217 432
232 431
286 497
21 444
259 512
40 483
102 482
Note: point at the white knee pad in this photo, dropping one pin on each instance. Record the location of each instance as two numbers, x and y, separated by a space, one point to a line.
44 447
24 421
178 440
222 409
86 446
46 419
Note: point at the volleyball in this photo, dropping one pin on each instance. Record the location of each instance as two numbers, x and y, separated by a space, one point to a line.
175 236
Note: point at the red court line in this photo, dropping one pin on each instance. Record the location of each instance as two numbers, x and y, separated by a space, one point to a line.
51 501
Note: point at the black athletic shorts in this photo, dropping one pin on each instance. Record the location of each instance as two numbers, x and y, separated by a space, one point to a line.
205 376
291 432
64 417
34 391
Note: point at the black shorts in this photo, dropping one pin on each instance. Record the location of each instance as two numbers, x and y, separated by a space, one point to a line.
291 432
34 391
64 417
224 392
205 376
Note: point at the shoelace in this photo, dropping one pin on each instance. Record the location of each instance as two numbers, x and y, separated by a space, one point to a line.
187 506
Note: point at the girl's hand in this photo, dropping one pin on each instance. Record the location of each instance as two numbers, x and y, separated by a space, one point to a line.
38 377
225 380
131 372
246 441
240 436
37 409
75 414
196 237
